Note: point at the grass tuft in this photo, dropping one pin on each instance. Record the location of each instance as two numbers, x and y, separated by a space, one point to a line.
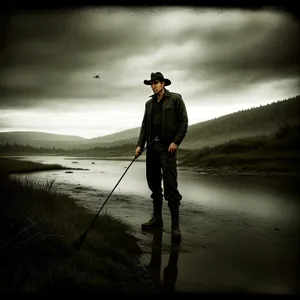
38 228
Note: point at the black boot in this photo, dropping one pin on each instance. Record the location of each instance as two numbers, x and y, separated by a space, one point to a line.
175 230
156 220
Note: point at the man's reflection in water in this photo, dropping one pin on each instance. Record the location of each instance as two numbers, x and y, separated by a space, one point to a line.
170 271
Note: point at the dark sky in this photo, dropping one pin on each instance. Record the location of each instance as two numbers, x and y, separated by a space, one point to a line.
220 61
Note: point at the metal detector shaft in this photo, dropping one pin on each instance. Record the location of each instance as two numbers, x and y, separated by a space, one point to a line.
78 242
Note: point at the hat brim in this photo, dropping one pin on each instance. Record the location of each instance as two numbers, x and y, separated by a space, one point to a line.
167 82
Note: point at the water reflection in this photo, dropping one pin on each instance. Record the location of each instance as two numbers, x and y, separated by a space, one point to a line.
170 272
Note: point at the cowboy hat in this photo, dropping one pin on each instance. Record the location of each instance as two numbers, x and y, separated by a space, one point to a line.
157 76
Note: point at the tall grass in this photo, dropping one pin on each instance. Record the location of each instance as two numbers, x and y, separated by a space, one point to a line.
36 253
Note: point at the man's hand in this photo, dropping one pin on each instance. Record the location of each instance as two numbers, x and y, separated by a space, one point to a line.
173 147
137 151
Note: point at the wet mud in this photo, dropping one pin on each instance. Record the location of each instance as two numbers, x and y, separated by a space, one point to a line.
220 251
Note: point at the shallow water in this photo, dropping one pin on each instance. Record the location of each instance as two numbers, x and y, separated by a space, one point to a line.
239 233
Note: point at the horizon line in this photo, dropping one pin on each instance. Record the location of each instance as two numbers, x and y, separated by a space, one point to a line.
211 119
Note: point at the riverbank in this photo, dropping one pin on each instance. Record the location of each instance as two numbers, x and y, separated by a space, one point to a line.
232 171
276 154
11 164
273 155
38 228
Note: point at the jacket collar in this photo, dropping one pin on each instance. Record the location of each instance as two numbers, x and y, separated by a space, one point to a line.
166 94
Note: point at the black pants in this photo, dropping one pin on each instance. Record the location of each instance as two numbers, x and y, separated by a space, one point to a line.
161 165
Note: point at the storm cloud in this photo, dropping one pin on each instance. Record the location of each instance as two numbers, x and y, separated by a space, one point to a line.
48 58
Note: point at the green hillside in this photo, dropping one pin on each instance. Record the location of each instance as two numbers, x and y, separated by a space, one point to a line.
262 120
277 152
252 122
38 136
111 138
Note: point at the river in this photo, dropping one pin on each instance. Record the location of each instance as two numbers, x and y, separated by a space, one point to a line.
239 233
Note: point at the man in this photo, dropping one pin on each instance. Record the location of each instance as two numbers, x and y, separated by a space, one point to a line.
165 117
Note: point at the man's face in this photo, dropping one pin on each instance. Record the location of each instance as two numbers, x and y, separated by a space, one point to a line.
157 86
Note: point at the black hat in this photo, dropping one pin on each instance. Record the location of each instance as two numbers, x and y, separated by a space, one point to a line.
157 76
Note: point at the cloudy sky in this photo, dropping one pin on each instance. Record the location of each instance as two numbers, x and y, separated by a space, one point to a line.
220 61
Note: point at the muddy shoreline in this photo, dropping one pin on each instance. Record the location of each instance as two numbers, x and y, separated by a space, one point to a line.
222 250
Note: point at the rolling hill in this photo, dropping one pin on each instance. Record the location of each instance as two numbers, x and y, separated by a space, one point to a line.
257 121
39 136
119 136
40 139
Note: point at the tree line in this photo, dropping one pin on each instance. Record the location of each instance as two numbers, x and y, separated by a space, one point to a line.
19 148
255 119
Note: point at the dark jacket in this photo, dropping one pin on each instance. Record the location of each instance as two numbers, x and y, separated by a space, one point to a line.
174 120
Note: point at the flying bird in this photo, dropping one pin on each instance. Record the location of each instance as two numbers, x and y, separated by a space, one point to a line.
97 76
